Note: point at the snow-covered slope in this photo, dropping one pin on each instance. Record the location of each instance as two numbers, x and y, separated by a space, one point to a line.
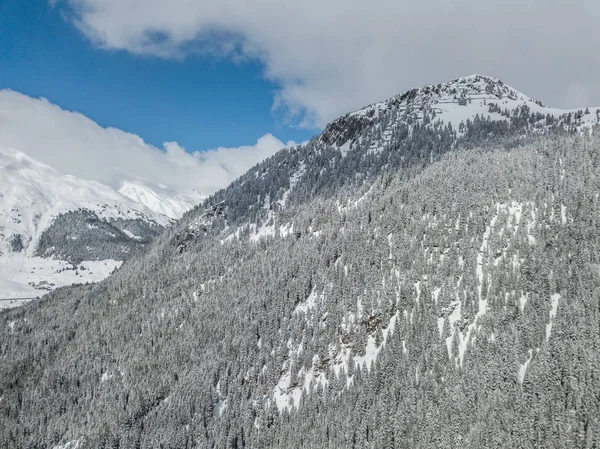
445 99
160 199
455 102
32 196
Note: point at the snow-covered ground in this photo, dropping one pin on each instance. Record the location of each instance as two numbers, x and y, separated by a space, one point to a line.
160 199
463 98
29 278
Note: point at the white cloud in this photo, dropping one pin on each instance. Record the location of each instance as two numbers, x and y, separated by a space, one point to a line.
333 56
73 144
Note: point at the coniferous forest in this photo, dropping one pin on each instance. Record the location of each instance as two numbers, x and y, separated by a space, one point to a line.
423 287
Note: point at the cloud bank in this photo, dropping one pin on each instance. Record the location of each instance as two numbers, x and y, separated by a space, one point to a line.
329 57
73 144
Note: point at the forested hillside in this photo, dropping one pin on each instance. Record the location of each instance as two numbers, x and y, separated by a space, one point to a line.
454 305
396 282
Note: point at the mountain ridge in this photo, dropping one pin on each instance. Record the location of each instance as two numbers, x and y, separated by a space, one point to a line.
441 102
416 125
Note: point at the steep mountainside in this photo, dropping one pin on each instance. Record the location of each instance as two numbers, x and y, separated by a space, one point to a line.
410 284
407 131
50 224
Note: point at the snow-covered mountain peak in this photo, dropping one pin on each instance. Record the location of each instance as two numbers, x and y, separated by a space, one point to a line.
481 84
460 90
29 186
453 102
160 199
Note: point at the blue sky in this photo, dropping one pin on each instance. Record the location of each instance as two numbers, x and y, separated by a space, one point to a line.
200 102
141 66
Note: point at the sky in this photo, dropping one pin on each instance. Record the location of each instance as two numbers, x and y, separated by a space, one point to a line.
200 102
154 84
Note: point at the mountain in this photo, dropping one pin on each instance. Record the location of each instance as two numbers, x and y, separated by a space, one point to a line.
160 199
402 280
405 132
457 102
56 230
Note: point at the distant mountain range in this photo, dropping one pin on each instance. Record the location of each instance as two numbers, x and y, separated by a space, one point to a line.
52 224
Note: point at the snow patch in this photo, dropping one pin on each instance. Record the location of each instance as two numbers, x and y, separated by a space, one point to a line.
345 148
454 316
263 231
219 408
286 230
441 321
74 444
131 235
287 395
523 301
372 350
483 258
523 367
555 298
309 303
